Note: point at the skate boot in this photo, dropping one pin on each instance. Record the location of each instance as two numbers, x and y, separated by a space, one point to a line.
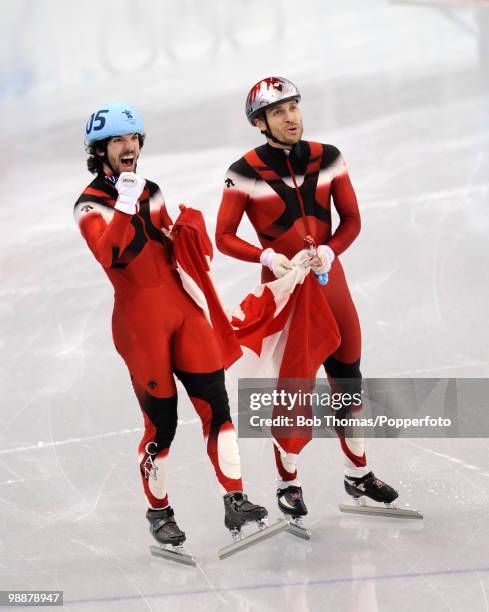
369 487
291 503
239 511
169 536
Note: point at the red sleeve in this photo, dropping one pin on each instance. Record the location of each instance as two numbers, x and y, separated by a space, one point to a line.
165 217
345 202
231 211
106 240
159 215
157 207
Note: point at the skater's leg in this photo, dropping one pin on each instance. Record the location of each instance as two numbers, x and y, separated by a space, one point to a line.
345 363
347 378
198 364
289 490
359 481
289 441
144 344
160 423
286 463
142 335
343 371
208 395
287 450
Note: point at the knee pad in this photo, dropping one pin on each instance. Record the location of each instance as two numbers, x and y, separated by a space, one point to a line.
162 412
338 370
210 388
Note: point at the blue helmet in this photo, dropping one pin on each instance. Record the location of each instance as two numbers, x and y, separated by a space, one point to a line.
113 120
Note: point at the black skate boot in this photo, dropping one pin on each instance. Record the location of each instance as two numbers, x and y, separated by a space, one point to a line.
163 527
169 536
238 511
370 486
291 503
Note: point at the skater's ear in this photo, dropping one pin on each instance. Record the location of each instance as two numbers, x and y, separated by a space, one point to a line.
260 123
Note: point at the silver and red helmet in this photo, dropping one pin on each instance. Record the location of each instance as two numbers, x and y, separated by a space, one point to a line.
268 92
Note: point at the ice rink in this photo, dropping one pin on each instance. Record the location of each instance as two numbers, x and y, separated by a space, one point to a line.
403 91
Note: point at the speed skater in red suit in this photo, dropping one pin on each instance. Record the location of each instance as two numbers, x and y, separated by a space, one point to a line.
285 187
157 328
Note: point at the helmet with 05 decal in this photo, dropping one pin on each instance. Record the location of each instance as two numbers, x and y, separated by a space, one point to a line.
267 93
111 120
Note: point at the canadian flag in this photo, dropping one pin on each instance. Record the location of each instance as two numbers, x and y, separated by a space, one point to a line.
288 326
285 327
192 250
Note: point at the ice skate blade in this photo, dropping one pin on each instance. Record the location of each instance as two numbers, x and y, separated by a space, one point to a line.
172 555
296 528
300 532
258 536
381 511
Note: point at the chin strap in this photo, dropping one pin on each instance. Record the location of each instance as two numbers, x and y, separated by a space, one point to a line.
268 133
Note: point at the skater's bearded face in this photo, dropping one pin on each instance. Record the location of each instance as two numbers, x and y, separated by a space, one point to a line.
123 153
285 122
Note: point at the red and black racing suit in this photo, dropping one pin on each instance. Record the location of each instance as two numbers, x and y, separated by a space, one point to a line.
158 330
287 196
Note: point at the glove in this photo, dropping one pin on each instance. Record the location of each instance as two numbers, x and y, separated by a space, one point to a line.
278 263
303 258
326 257
129 186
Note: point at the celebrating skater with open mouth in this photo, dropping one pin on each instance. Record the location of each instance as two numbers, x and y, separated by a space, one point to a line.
158 329
285 187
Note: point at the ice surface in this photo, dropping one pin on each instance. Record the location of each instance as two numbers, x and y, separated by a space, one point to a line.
403 91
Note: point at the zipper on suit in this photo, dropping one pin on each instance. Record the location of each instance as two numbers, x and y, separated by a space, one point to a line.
298 192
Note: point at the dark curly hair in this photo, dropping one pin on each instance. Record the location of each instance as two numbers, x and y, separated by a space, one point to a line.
95 161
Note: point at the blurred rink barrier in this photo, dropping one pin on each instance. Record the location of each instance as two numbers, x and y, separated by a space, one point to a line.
474 19
46 44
